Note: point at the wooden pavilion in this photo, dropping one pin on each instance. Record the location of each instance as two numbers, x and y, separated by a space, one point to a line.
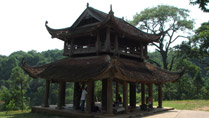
100 46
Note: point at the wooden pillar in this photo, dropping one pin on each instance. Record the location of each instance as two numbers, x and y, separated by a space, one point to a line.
72 47
150 95
65 48
89 96
63 93
59 105
104 94
107 41
132 96
145 51
93 86
98 44
116 91
125 96
46 97
142 94
116 45
141 50
109 96
160 96
76 96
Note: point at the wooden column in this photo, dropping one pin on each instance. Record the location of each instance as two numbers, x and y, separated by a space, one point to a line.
98 44
107 41
150 95
93 86
76 95
109 96
141 50
89 96
65 48
160 96
104 94
116 91
142 94
72 47
116 45
125 96
46 97
63 93
59 105
145 51
132 96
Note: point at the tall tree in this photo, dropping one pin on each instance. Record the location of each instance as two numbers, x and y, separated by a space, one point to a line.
171 21
18 83
202 4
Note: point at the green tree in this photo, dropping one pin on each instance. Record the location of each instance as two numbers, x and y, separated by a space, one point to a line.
201 39
171 22
202 4
18 84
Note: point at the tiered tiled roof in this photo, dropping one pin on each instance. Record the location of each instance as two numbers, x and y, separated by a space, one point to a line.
103 20
99 67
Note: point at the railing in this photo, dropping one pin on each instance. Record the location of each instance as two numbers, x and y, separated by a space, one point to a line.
122 50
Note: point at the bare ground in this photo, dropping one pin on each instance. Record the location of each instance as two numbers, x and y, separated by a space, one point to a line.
181 114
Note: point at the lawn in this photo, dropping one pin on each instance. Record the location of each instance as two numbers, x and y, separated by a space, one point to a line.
25 114
202 105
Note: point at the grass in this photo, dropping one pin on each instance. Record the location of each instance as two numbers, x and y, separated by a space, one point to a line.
180 104
187 104
25 114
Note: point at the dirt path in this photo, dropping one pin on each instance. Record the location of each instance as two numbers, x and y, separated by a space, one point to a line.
181 114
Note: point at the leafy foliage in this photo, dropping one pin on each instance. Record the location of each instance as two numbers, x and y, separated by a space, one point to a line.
202 4
171 22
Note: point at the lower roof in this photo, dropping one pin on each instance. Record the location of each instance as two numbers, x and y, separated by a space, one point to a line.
101 67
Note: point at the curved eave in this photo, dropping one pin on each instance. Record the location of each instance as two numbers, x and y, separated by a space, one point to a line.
100 67
142 72
57 33
71 69
33 71
127 29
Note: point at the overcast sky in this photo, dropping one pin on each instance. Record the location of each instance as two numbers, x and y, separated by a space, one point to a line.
22 22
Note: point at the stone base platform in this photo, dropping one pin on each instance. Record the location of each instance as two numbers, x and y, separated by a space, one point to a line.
68 111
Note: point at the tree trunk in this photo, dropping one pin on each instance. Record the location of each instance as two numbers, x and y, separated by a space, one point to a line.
21 88
164 59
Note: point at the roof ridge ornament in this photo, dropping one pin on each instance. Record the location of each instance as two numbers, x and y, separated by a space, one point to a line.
46 22
110 7
111 12
87 5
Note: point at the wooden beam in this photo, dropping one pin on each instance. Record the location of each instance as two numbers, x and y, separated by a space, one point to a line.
125 96
46 97
160 98
142 93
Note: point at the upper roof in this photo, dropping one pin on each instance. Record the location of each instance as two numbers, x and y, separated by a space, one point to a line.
92 20
101 67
